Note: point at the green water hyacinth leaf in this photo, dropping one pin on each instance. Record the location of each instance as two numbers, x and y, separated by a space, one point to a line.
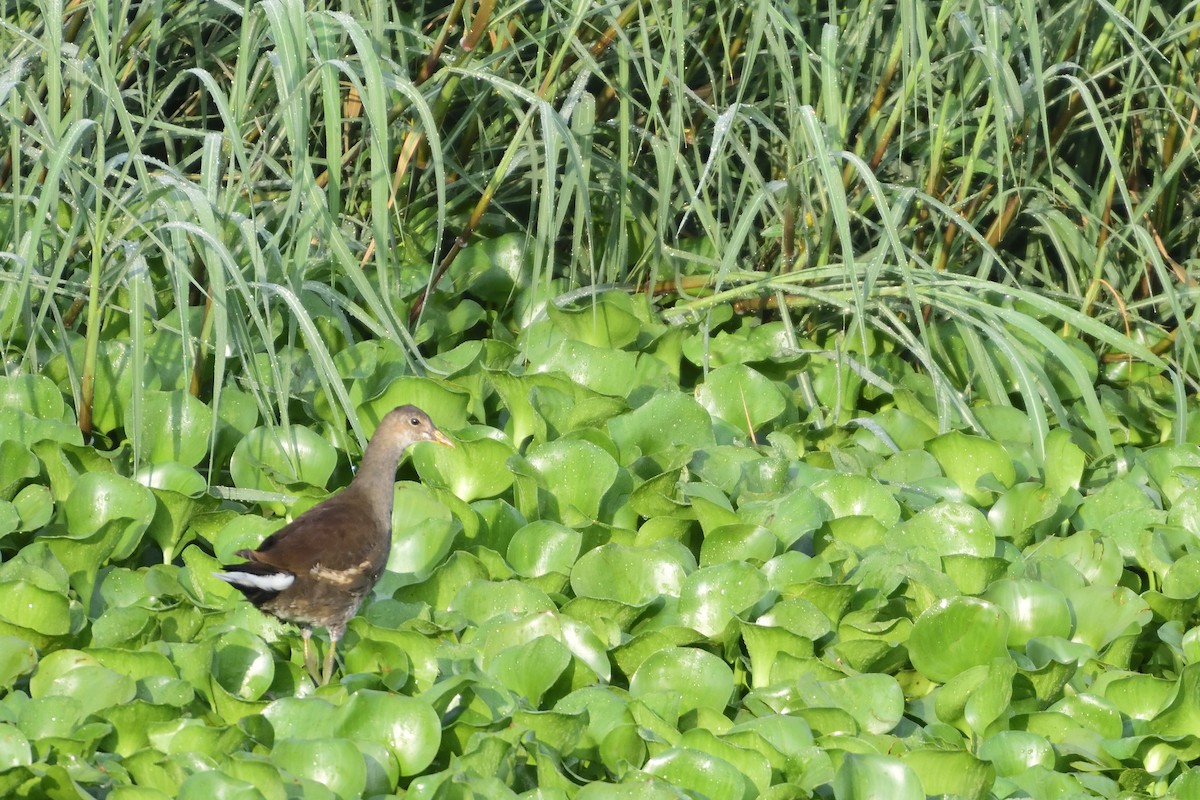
951 773
113 379
77 675
1117 509
768 646
18 657
174 426
242 665
105 517
491 268
543 547
1103 613
407 726
946 529
28 429
1095 713
215 785
607 321
1021 513
180 493
738 542
608 372
858 496
334 763
668 425
482 600
529 669
501 634
876 702
423 531
474 469
967 460
956 634
35 394
34 506
712 597
272 459
741 397
28 606
14 748
867 776
633 576
634 786
1064 463
17 466
1034 609
1077 559
446 403
301 717
701 773
691 677
576 475
1014 752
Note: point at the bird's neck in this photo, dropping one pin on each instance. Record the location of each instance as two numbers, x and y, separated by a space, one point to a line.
375 481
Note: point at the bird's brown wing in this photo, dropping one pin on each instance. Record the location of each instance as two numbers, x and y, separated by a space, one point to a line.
337 542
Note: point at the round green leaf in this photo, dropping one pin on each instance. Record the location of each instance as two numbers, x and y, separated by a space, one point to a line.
668 421
35 394
967 460
543 547
867 776
17 466
476 467
174 426
955 635
1103 613
607 321
950 773
701 773
274 458
1034 609
479 601
301 717
1018 513
946 529
577 473
631 575
529 669
335 763
29 606
738 542
408 727
14 748
858 496
78 675
1014 752
214 785
695 678
741 396
423 530
242 664
712 597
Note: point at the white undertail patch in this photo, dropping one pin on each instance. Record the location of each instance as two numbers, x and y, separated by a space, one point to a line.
274 582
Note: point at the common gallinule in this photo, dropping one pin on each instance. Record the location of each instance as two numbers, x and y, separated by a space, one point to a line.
317 570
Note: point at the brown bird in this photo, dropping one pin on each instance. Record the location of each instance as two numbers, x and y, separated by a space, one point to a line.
317 570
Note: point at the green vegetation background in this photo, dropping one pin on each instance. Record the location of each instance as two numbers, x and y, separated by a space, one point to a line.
823 375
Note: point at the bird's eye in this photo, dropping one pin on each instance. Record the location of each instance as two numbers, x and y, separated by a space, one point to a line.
414 421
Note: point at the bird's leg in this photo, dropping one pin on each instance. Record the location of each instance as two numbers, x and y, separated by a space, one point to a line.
310 660
334 636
